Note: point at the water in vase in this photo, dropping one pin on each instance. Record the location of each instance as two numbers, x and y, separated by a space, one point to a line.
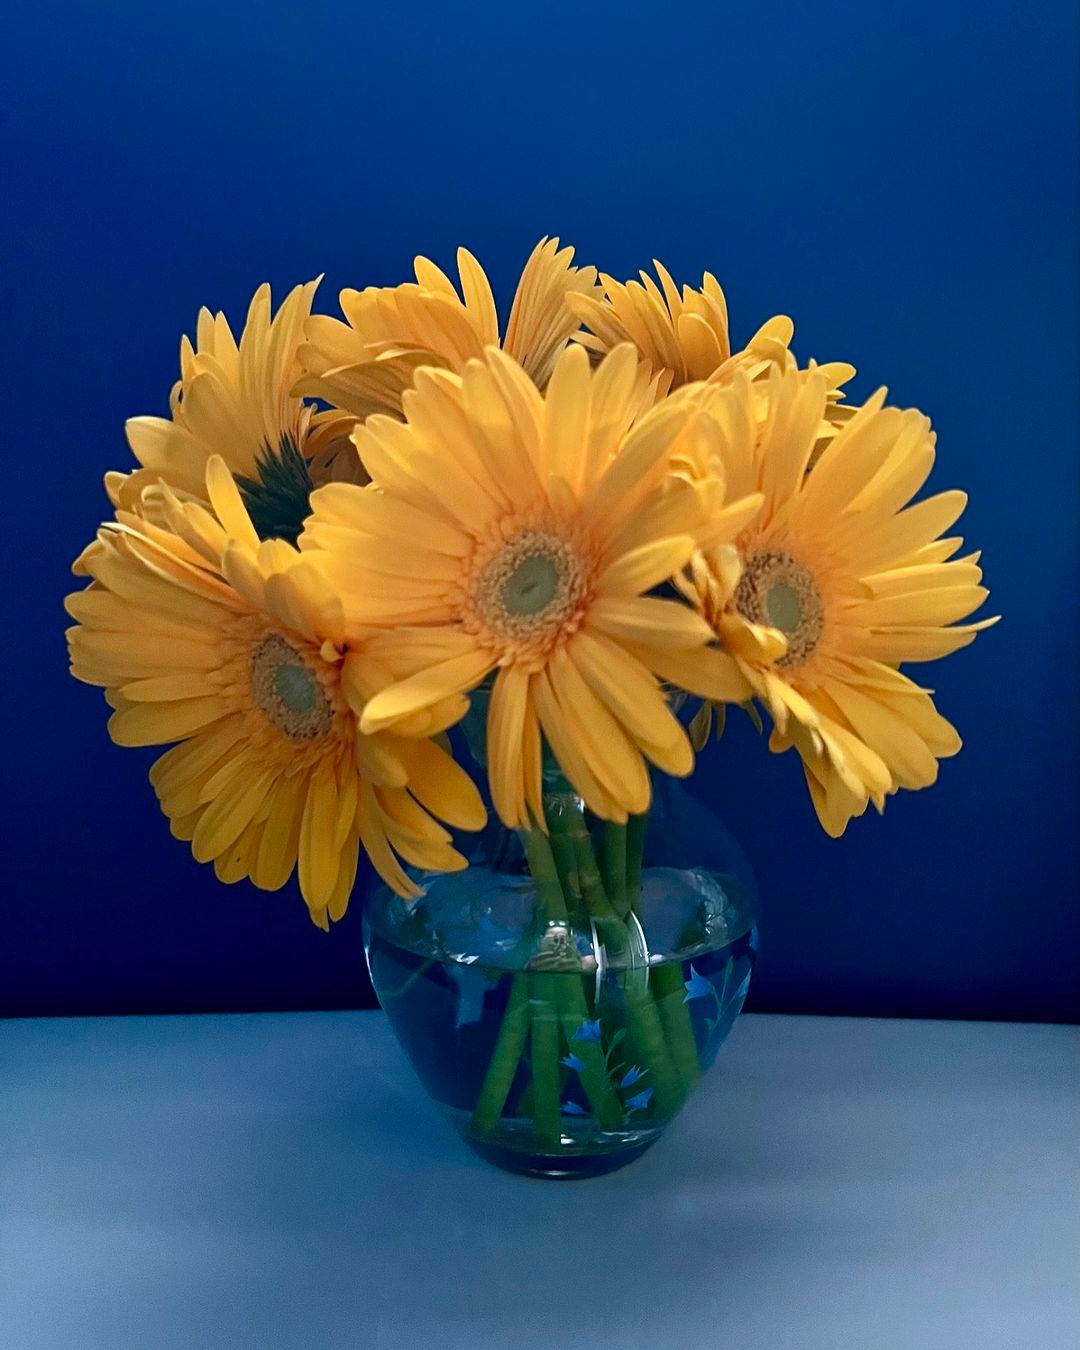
550 1051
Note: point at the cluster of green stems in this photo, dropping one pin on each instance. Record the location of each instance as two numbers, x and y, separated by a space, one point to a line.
580 886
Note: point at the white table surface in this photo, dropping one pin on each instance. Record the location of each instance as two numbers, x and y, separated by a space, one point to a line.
281 1182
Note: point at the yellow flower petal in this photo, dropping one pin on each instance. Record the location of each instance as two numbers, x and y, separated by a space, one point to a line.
318 858
505 724
646 566
429 686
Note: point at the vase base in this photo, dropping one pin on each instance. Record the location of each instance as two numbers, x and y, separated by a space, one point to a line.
558 1167
583 1150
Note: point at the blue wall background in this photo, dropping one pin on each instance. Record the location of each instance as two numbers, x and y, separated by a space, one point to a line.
900 178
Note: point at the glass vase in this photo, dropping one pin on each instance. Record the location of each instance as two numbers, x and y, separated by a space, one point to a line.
561 999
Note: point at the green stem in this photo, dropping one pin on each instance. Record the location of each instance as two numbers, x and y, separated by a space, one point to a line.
642 1018
560 810
573 1005
545 873
594 1076
613 866
666 979
635 852
504 1060
675 1015
646 1029
609 927
543 991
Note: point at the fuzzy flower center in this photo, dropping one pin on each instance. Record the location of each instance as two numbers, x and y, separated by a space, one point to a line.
776 591
277 497
531 588
288 691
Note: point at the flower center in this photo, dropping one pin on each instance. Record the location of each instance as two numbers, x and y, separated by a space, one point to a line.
531 588
277 497
288 691
776 590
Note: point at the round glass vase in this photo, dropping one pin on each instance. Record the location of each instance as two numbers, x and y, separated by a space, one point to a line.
561 998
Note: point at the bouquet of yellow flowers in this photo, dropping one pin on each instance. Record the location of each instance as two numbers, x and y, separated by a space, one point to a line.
581 535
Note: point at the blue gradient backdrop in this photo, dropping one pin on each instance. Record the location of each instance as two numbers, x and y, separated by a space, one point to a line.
900 178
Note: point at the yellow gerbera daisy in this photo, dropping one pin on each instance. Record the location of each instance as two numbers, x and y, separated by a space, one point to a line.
683 336
234 648
518 533
366 364
834 584
235 400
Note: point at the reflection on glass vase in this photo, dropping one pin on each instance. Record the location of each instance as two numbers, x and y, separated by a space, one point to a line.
561 998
